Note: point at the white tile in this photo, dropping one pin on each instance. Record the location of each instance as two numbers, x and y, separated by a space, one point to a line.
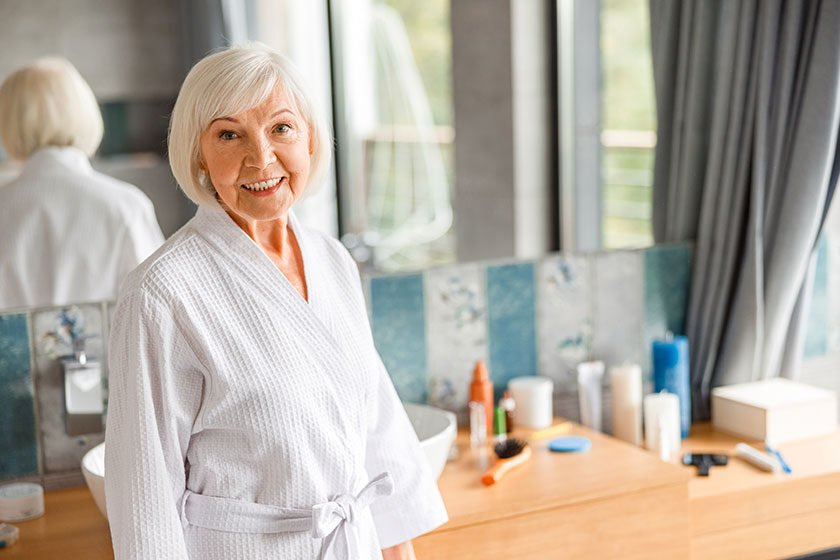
564 317
618 303
456 321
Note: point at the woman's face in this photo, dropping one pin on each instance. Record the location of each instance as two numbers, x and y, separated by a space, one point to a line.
258 160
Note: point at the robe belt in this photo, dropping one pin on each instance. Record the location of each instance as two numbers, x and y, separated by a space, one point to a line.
334 521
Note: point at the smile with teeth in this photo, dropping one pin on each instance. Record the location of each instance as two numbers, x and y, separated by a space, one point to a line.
262 185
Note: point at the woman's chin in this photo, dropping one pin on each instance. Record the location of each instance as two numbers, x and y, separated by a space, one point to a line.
263 208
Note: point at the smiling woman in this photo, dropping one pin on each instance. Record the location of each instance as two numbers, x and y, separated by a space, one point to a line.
247 402
258 162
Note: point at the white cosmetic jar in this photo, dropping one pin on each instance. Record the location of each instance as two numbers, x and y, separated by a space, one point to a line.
533 397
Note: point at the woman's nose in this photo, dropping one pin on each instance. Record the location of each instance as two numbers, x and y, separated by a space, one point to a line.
260 153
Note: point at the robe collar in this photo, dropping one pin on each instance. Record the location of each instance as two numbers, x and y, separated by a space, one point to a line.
215 225
249 260
67 156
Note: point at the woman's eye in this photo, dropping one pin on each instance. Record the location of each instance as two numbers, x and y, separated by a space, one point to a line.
282 129
227 135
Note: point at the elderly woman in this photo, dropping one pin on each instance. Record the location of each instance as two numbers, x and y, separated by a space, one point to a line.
67 233
250 415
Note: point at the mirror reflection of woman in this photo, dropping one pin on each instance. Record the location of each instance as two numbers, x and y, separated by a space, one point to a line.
250 415
68 233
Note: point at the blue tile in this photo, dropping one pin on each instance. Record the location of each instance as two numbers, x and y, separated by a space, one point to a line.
816 339
18 440
667 280
511 323
399 332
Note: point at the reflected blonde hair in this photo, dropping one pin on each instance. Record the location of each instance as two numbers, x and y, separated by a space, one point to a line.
48 103
227 83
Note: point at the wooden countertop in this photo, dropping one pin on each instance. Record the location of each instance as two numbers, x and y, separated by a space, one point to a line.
737 512
71 527
611 467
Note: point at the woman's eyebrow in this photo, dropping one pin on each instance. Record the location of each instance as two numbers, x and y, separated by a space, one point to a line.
231 119
273 116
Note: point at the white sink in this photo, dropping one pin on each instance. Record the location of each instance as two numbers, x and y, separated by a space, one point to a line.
93 467
435 428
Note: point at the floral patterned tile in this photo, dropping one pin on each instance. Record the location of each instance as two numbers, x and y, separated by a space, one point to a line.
399 332
618 304
55 329
511 323
456 322
564 317
18 436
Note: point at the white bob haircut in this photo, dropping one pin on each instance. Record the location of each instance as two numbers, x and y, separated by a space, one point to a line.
227 83
48 103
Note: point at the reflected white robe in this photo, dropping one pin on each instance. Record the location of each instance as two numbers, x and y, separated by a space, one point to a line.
226 382
69 234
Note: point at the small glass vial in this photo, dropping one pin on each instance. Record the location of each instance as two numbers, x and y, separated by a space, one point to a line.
478 424
507 403
499 432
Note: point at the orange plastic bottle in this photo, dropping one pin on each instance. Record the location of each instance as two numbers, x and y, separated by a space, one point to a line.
481 390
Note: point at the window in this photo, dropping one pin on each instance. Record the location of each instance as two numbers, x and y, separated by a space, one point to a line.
607 124
628 136
393 122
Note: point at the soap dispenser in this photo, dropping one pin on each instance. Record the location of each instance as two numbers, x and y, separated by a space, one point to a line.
83 394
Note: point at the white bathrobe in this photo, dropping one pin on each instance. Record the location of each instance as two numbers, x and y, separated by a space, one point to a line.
69 234
225 382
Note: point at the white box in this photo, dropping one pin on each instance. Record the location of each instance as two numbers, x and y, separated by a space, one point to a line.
776 409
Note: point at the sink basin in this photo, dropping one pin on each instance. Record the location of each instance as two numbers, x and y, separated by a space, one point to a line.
93 467
435 428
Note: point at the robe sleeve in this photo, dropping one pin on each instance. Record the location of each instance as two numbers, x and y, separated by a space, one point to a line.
416 506
155 392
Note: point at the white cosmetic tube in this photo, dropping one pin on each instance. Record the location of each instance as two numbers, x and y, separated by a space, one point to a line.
626 387
589 393
662 423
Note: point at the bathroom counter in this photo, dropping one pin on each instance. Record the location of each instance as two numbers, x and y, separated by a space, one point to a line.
619 501
614 501
739 511
72 527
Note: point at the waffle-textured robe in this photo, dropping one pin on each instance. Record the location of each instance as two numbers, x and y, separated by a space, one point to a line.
225 382
69 234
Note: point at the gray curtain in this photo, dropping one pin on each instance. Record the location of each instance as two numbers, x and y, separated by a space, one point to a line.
748 105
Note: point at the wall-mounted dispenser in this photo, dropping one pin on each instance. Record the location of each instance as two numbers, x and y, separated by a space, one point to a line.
83 393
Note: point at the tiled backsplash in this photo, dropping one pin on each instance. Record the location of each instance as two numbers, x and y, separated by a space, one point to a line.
33 437
539 317
524 318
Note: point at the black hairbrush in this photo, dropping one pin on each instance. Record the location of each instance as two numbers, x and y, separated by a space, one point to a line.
512 453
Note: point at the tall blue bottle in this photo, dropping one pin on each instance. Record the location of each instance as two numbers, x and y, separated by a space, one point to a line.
670 372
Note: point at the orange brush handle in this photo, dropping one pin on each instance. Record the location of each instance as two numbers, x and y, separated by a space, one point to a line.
502 466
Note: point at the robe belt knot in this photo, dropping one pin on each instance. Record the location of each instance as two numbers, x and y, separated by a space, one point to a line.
334 521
